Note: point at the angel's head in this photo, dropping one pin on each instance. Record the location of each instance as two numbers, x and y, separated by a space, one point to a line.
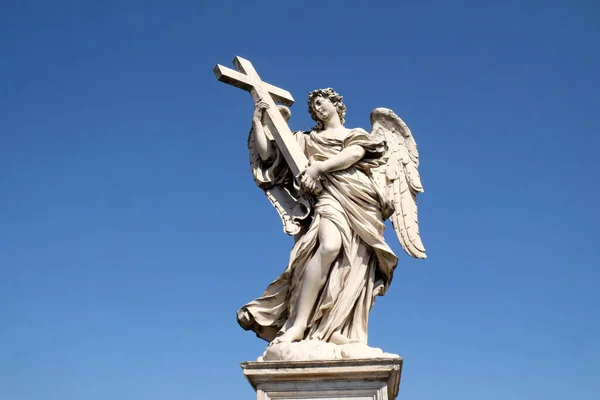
319 102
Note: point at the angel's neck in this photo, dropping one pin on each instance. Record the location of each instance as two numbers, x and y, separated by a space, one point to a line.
332 124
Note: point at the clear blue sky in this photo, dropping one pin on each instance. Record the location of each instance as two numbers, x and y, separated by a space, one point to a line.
131 230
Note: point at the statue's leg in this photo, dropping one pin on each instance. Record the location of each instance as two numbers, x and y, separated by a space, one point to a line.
313 279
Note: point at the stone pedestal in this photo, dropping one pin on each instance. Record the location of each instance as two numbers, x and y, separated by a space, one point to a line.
362 379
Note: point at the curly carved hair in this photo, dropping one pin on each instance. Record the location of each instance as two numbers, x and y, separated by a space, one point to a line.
332 96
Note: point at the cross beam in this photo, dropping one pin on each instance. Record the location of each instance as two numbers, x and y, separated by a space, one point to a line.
247 78
237 79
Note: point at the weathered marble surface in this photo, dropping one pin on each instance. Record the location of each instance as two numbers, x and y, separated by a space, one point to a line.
321 350
373 379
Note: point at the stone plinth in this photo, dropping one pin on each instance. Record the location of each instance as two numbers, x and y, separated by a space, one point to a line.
362 379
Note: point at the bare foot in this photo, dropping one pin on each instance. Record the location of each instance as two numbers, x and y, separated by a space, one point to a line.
294 334
338 338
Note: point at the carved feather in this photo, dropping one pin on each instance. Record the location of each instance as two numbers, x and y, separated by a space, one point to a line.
399 178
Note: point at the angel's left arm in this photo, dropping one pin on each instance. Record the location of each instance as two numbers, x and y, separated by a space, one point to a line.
344 159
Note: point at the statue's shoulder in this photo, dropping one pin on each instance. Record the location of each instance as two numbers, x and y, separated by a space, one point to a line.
302 136
358 130
354 132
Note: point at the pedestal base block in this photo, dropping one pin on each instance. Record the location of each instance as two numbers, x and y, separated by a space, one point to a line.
364 379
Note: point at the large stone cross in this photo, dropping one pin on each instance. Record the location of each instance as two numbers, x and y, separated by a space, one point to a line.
248 79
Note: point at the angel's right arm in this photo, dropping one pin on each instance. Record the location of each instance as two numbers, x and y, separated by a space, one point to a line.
265 148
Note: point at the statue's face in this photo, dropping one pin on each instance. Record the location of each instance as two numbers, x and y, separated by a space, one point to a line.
324 108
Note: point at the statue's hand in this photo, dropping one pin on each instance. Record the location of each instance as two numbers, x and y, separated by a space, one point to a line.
309 178
259 109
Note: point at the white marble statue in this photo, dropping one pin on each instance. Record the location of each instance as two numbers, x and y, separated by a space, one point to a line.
333 188
336 209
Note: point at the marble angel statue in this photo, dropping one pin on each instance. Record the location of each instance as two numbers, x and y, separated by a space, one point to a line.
336 208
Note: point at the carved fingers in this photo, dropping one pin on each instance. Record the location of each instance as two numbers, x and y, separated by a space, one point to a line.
307 184
259 109
309 179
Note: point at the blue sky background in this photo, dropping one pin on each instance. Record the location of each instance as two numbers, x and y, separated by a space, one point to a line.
131 230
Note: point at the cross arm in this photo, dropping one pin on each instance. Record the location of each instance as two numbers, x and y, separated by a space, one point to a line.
244 82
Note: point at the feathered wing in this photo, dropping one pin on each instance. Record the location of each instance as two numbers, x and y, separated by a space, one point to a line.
399 178
290 205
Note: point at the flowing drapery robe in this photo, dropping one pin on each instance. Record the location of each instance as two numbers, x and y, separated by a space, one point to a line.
365 265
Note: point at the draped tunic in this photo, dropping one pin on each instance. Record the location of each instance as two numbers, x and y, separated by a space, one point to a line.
365 265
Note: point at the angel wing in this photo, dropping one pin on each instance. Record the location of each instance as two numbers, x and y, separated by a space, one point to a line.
292 206
399 178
